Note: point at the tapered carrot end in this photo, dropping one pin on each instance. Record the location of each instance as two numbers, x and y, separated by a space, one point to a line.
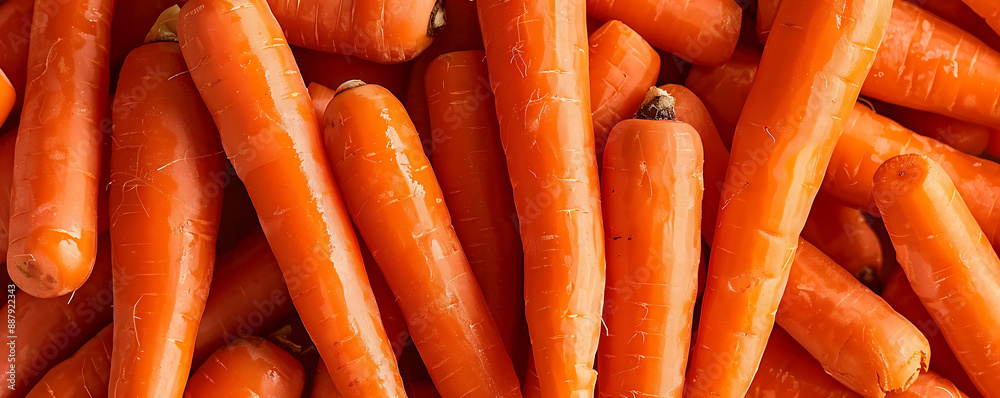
165 27
658 105
437 20
349 85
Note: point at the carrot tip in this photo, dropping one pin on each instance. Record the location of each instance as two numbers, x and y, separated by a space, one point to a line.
349 85
437 20
658 105
165 27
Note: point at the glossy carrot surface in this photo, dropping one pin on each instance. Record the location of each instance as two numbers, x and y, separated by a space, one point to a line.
249 368
83 375
967 137
958 13
724 89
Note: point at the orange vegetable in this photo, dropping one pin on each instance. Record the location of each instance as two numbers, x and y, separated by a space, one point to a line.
547 134
622 67
249 368
989 10
270 133
787 370
58 151
332 70
767 10
724 89
130 24
7 97
701 31
930 385
967 137
398 206
320 96
379 31
470 166
392 316
790 134
652 191
843 233
947 259
956 12
6 180
15 30
322 385
83 375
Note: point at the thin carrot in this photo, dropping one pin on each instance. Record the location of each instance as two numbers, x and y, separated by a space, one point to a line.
652 191
280 143
787 370
857 337
947 259
49 330
332 70
956 12
249 368
15 30
58 150
622 68
844 234
470 166
397 204
792 134
374 30
83 375
701 31
930 385
724 89
320 96
165 222
967 137
537 56
901 297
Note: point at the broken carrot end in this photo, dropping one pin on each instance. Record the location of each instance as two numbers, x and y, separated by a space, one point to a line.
899 175
437 20
165 27
658 105
349 85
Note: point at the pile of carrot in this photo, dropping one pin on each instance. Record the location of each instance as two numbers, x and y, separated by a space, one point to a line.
500 198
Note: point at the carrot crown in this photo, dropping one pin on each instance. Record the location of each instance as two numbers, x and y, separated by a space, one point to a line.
437 20
165 27
658 105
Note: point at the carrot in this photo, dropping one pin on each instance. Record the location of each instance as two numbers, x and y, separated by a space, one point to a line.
58 150
792 134
392 316
787 370
947 259
967 137
82 375
129 26
379 31
398 206
15 30
547 134
332 70
701 31
956 12
724 88
7 96
622 67
989 10
767 10
843 233
652 191
901 297
6 180
930 385
49 330
857 337
280 144
252 367
470 166
165 221
320 96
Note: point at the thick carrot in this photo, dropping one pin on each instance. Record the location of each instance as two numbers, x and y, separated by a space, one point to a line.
622 68
947 259
249 368
7 97
397 204
930 385
165 221
956 12
49 330
652 190
15 30
787 370
375 30
901 297
790 134
724 89
470 166
857 337
270 132
53 223
701 31
967 137
843 233
83 375
332 70
542 92
320 96
6 180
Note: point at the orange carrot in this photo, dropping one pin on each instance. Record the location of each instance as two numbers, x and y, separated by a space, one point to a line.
379 31
652 191
843 233
701 31
15 30
320 96
947 259
249 368
989 10
83 375
930 385
622 67
7 97
792 134
470 166
901 297
967 137
542 92
724 89
129 27
398 206
332 70
787 370
6 180
58 150
303 217
956 12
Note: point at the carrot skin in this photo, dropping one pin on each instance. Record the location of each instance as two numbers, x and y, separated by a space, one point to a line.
947 259
7 97
320 96
967 137
844 234
470 165
547 134
397 204
332 70
15 29
956 12
622 67
303 216
989 10
83 375
58 150
930 385
761 217
7 141
787 370
249 368
652 191
724 89
392 316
